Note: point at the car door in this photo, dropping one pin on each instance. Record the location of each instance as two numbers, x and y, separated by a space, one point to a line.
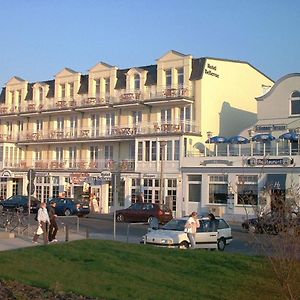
206 236
60 206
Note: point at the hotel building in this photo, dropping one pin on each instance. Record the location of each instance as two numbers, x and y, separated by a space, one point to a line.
141 123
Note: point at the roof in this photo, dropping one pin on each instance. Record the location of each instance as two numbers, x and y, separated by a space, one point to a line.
276 84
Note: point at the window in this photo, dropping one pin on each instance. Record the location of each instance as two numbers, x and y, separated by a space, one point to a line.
63 90
169 150
247 190
168 74
180 77
97 87
137 117
72 90
59 153
153 151
94 152
218 189
137 82
95 120
60 123
140 151
107 85
108 152
147 150
176 150
72 157
39 125
41 94
194 188
38 154
165 115
295 103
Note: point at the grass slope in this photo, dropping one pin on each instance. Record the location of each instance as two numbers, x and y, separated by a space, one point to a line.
113 270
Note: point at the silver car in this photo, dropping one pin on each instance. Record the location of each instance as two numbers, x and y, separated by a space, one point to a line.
214 234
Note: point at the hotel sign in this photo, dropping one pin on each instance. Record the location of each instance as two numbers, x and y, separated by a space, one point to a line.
211 70
216 162
284 161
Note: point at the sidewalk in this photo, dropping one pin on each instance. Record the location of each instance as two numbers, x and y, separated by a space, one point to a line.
25 240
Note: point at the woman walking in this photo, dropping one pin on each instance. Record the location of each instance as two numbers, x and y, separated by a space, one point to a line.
191 226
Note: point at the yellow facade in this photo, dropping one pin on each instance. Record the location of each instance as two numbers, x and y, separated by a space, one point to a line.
75 126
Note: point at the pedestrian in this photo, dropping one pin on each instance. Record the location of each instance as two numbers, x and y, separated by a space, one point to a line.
53 228
43 221
191 226
213 222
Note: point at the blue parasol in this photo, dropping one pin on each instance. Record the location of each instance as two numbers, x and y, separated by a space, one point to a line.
290 136
238 139
216 140
263 137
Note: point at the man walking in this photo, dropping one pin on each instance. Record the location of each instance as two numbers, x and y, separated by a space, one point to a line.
53 224
43 220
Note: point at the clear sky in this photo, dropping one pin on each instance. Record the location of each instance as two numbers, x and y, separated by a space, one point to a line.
40 38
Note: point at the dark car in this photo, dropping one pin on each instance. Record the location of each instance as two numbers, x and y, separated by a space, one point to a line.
144 212
70 206
270 223
20 202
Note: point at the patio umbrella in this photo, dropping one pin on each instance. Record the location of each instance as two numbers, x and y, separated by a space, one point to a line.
263 137
216 140
238 139
289 136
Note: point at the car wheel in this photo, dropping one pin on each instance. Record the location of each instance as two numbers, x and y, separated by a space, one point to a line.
120 218
150 219
183 245
221 244
67 212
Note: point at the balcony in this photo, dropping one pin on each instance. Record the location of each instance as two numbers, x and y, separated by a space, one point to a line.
73 165
106 133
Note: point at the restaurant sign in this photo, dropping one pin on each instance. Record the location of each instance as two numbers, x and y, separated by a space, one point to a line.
284 161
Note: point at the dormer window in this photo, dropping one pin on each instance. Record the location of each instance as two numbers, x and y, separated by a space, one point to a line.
137 82
107 85
63 90
295 103
97 86
72 89
180 77
40 94
168 74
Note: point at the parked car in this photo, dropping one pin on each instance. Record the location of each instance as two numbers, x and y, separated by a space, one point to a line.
20 202
215 234
144 212
269 222
70 206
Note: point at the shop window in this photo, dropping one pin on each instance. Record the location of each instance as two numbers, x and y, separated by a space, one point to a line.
247 190
218 189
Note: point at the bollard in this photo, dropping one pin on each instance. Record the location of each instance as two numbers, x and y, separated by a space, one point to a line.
87 233
67 233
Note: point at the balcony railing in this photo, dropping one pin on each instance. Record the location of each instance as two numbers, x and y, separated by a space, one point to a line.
73 165
85 101
254 149
109 132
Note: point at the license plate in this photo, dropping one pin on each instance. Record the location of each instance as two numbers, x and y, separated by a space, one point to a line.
84 206
167 213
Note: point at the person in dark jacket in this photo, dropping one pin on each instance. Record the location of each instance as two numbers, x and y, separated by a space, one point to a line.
53 228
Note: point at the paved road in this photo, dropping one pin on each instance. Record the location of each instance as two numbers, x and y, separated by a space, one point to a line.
102 226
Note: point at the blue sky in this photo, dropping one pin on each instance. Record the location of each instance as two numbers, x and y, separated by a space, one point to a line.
40 38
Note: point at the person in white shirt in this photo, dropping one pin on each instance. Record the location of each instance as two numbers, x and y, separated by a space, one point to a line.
43 220
191 226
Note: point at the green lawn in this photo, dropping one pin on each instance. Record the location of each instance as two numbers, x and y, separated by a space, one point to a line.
113 270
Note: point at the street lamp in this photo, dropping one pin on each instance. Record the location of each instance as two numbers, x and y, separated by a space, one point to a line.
209 135
250 134
162 152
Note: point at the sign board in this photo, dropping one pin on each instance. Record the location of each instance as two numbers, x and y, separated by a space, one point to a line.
106 175
31 174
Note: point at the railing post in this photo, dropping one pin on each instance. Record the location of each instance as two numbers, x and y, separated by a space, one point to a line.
67 233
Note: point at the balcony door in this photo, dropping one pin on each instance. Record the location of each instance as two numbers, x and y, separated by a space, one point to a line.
110 123
95 125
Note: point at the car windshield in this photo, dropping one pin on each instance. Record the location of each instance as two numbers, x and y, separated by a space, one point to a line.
175 224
